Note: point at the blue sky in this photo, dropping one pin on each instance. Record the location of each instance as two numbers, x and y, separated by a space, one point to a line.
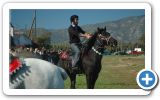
60 18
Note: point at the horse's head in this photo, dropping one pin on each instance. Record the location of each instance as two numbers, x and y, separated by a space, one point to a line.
99 40
105 38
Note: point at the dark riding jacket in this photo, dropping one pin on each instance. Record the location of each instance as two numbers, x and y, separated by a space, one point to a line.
74 33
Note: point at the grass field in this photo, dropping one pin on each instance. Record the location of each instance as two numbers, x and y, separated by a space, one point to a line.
118 72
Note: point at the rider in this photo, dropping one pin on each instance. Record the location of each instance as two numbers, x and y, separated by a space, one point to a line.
75 32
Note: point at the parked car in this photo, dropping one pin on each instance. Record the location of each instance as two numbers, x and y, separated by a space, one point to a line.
136 52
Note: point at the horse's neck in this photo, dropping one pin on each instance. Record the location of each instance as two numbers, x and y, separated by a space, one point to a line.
97 56
96 50
91 42
98 46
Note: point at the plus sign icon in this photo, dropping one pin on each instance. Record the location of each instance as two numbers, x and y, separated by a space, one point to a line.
147 79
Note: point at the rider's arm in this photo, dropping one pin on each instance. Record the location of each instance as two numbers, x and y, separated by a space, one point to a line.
83 33
86 35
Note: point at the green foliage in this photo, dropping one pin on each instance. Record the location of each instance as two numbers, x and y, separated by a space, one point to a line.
140 43
42 39
61 46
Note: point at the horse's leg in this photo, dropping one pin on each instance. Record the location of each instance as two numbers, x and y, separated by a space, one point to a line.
73 80
88 81
94 78
91 80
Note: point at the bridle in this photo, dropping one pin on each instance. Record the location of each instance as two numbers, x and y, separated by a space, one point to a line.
101 47
107 39
104 38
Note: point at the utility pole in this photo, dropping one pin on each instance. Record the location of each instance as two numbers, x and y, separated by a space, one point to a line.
35 22
33 25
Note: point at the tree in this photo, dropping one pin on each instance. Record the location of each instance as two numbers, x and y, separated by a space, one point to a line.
43 39
141 42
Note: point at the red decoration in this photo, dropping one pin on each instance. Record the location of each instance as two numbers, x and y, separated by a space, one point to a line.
15 64
64 55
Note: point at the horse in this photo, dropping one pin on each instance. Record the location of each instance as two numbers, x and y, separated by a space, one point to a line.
90 58
33 73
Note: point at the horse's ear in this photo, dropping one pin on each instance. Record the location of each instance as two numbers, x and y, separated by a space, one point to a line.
98 29
105 28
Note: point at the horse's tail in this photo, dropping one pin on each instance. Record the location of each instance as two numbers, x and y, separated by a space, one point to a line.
63 73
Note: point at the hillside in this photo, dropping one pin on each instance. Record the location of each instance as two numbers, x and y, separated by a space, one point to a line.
127 29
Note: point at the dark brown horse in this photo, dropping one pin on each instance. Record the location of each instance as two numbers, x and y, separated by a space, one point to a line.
90 58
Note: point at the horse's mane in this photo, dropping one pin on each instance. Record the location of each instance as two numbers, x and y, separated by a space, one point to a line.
90 43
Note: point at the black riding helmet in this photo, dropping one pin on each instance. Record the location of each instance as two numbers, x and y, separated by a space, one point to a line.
73 17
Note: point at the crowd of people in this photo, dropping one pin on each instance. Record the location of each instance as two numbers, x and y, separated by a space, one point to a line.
50 55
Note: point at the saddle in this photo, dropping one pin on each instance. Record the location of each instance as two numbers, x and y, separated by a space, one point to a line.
67 57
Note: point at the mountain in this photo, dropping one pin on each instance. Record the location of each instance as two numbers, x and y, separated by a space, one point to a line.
60 35
126 30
